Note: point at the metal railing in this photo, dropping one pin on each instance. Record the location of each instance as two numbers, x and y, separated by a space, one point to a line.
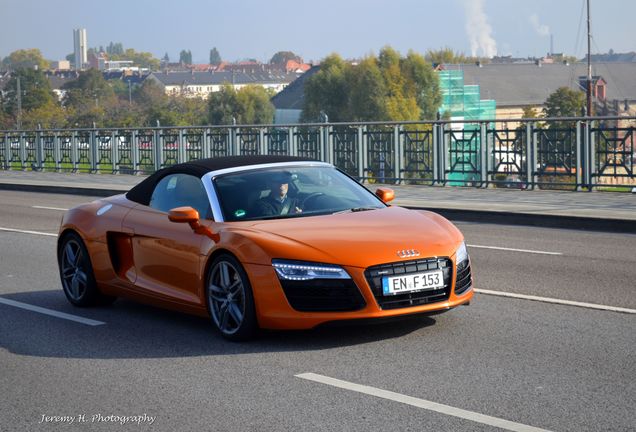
569 153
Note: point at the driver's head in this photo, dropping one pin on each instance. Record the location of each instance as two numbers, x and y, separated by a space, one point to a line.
279 184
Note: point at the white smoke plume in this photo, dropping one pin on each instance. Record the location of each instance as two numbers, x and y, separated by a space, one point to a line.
541 29
478 29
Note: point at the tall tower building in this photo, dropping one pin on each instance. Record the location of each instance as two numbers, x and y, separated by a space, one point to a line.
79 41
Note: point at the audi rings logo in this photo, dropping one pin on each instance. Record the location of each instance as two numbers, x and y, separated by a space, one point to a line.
408 253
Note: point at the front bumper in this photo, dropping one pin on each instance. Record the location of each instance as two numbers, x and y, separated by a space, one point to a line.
275 312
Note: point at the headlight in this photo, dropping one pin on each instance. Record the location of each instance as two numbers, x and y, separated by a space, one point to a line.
462 253
298 270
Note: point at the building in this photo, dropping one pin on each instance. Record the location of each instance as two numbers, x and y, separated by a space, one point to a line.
80 48
289 102
518 86
61 65
201 84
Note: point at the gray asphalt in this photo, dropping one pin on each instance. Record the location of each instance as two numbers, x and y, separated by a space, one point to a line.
557 367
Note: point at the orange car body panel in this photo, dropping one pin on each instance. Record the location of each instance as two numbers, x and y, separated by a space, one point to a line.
136 252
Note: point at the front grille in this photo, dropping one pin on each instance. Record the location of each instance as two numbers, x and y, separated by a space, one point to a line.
464 279
375 274
323 295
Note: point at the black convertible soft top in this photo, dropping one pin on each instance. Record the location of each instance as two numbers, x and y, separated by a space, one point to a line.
142 192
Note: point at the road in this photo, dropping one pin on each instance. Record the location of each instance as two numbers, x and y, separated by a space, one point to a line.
533 364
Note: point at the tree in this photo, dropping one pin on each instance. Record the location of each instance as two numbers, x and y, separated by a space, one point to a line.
367 101
223 106
400 103
139 58
564 102
25 59
87 98
249 105
423 82
215 57
166 58
327 91
185 57
447 55
71 58
281 58
35 91
115 49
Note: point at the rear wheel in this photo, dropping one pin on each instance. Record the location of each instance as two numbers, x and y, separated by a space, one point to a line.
76 273
230 299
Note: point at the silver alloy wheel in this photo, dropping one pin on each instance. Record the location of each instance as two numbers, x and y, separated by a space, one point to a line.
74 270
226 297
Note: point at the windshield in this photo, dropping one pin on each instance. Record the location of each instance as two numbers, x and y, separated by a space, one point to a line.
284 192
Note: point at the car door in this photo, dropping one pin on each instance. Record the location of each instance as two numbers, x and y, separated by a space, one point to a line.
167 255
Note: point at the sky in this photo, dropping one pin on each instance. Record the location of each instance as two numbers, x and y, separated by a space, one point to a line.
242 29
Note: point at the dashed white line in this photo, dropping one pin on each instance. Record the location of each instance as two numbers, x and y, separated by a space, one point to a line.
557 301
49 208
514 250
50 312
27 232
421 403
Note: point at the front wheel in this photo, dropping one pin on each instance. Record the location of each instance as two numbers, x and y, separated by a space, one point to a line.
230 299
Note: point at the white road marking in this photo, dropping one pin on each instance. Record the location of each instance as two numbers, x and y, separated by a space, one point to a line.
557 301
49 208
27 232
50 312
421 403
514 250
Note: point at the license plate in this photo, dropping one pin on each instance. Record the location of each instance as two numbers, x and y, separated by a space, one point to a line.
392 285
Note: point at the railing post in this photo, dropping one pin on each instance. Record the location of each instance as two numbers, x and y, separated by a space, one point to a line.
235 148
22 151
398 145
74 153
157 149
93 149
591 157
535 158
291 139
134 151
181 148
362 165
444 159
264 148
484 154
330 145
7 152
529 166
205 143
581 177
57 152
435 152
114 153
39 149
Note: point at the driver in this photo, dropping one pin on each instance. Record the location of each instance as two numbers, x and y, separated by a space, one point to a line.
278 202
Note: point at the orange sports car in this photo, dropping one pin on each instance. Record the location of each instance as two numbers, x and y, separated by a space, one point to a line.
254 242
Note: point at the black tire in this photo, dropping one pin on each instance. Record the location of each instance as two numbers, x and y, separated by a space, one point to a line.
230 300
76 273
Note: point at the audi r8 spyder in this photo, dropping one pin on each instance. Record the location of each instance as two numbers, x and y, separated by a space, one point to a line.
275 242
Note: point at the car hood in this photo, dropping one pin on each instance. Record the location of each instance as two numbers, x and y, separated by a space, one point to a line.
359 239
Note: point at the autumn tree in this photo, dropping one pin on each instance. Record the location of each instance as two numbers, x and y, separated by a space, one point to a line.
249 105
25 59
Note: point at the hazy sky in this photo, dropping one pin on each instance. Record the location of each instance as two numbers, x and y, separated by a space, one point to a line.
313 29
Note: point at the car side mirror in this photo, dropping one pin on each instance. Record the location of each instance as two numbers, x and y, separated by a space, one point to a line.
191 216
183 215
385 194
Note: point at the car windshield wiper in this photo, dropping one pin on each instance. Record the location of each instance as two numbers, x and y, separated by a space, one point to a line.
355 209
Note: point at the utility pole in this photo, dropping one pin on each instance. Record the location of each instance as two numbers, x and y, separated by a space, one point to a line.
19 94
589 63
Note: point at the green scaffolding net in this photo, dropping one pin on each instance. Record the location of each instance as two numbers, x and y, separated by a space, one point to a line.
463 103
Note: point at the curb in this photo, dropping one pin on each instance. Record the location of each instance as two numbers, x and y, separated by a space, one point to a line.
481 216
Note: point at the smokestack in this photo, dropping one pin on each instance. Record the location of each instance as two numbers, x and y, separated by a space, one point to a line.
551 45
